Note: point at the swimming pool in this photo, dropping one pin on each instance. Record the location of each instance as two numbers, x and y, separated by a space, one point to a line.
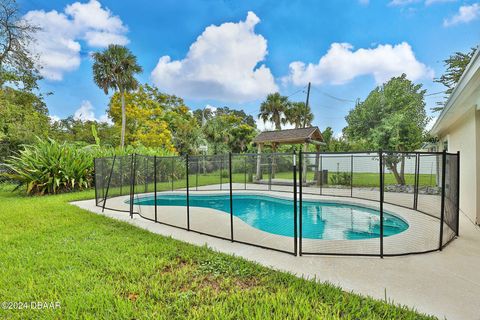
320 219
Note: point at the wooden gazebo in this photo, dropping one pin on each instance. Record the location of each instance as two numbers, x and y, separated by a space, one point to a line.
303 136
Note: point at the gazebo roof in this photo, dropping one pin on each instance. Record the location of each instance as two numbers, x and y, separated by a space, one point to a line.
290 136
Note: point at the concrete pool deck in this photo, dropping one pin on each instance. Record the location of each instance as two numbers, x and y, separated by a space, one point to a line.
445 284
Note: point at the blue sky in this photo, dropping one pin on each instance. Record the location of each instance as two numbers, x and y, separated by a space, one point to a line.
234 52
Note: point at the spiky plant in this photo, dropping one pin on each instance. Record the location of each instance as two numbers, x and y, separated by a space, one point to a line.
49 167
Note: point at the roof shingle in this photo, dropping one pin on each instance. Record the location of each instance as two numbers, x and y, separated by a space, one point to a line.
289 136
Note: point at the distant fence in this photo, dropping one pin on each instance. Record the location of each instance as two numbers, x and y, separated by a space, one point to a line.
419 187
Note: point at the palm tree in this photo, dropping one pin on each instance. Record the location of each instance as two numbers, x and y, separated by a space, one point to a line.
273 109
115 69
299 115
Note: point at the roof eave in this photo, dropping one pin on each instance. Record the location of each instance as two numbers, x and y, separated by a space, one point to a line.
470 70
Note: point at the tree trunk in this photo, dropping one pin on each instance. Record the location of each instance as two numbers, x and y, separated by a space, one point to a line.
124 120
278 126
402 170
393 168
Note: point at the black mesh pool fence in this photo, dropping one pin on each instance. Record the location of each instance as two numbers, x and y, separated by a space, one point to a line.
357 203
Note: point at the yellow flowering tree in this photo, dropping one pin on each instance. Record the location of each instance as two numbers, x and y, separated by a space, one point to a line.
146 109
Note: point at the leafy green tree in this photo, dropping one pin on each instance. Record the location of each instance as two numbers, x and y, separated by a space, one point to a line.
392 118
17 65
202 115
455 66
115 68
241 137
240 114
186 132
23 115
273 109
299 114
74 130
217 133
207 113
228 133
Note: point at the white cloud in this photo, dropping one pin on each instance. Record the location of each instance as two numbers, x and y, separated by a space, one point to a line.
86 113
342 64
430 2
402 2
364 2
211 108
465 14
105 118
221 64
270 126
57 43
407 2
54 118
98 26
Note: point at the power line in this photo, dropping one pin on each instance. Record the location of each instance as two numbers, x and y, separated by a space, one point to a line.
299 90
333 97
432 94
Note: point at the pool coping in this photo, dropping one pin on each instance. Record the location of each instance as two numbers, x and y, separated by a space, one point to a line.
421 236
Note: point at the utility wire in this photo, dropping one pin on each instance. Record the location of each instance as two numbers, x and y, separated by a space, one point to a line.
433 94
299 90
333 97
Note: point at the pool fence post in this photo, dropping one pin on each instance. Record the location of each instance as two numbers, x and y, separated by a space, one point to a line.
108 184
295 227
173 170
417 181
458 193
245 173
442 207
102 180
270 172
381 202
300 200
146 173
351 176
321 174
132 184
155 184
121 174
221 171
188 194
231 195
196 175
95 179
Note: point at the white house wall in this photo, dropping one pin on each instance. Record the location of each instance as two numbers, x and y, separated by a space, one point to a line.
464 136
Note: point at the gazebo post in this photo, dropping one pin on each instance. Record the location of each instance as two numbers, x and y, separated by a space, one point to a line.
296 136
274 160
304 164
317 162
259 162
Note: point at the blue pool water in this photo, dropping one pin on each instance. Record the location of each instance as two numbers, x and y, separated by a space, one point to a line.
321 220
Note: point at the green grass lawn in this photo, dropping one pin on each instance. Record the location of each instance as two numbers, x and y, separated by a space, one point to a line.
99 268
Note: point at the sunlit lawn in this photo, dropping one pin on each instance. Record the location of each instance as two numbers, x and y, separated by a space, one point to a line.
99 268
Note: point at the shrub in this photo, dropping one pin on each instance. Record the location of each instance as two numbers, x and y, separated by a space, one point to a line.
49 167
340 178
